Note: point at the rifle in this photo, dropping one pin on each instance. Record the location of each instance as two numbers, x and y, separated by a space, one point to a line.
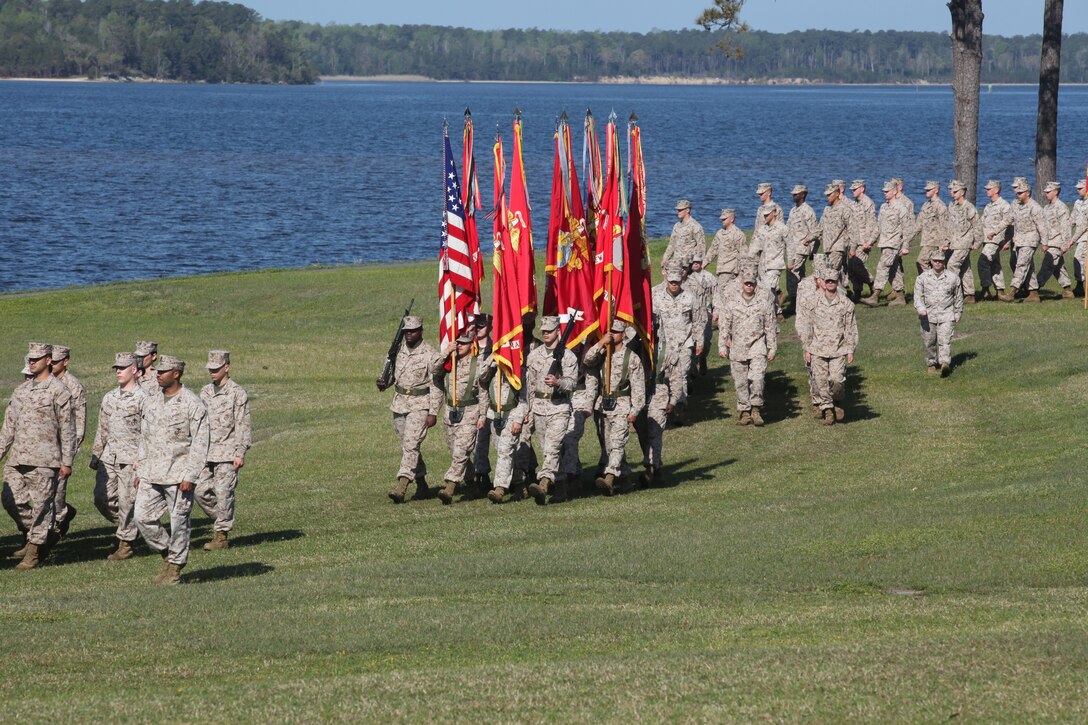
391 356
557 356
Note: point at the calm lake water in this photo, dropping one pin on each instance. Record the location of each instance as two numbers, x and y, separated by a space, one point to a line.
105 182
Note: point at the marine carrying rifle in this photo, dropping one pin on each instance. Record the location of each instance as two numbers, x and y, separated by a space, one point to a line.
391 356
556 370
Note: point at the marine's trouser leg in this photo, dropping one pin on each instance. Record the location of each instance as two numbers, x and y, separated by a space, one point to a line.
411 429
1025 269
857 271
481 455
122 480
576 428
739 370
1053 264
60 503
505 443
656 421
945 331
989 267
461 439
617 431
959 264
105 493
151 503
929 340
28 497
888 268
553 429
215 493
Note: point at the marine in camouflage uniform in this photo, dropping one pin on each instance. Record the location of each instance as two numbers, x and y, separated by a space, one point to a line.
116 443
964 234
1059 233
865 234
679 316
231 435
585 393
174 441
911 228
764 191
748 335
769 243
502 402
1028 231
665 392
466 411
804 234
623 396
147 352
835 226
416 399
894 223
727 247
938 297
807 291
687 238
996 235
481 455
932 222
829 335
700 283
546 397
1080 235
38 438
61 358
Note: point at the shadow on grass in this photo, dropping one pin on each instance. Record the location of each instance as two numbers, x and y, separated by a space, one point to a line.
780 397
233 571
265 537
856 404
704 403
961 357
674 474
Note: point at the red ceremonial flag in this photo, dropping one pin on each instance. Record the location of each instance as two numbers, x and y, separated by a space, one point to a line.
506 302
610 264
591 171
520 226
470 200
568 266
456 287
640 283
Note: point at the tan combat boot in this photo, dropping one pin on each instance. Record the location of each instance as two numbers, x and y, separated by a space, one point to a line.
1033 296
423 491
165 568
124 551
968 299
607 484
496 494
31 558
397 494
539 491
755 417
872 300
840 414
445 495
171 574
816 412
898 299
1067 294
829 416
1006 295
932 369
745 418
21 552
219 541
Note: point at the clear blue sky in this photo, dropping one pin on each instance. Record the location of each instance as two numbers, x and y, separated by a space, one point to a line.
1003 17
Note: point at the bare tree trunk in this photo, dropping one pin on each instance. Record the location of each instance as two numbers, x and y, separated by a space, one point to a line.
1046 128
966 71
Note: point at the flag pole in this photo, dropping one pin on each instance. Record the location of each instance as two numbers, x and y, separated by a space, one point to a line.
453 299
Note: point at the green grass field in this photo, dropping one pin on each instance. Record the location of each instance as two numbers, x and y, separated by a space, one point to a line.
927 561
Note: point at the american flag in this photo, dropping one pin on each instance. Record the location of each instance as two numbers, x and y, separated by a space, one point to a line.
456 286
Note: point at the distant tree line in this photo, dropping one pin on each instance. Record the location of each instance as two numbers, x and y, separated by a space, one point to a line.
180 40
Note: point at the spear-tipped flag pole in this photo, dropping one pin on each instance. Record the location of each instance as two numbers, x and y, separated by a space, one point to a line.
594 177
470 200
455 279
610 262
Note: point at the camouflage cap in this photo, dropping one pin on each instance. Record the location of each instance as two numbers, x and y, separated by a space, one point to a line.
217 359
889 186
763 187
682 204
728 213
123 359
897 181
1080 183
145 347
61 352
549 323
169 362
618 326
993 184
673 274
466 337
37 350
748 274
830 189
829 273
697 256
799 189
857 184
931 185
818 267
957 185
937 254
1020 184
839 183
26 366
1053 186
482 319
767 209
412 322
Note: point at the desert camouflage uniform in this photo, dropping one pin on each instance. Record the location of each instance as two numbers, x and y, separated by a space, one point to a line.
502 401
666 388
940 296
996 220
687 238
38 437
748 332
865 234
1080 237
585 393
910 228
894 224
116 443
79 415
1059 230
964 233
807 292
481 454
549 407
150 383
627 386
416 396
472 402
933 223
769 243
829 333
835 227
679 318
1028 231
760 221
174 443
701 287
728 246
804 233
231 436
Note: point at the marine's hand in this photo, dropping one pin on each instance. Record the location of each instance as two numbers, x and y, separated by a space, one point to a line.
93 465
808 358
515 429
922 313
770 357
65 471
481 423
239 461
382 384
185 486
551 381
850 357
431 420
632 418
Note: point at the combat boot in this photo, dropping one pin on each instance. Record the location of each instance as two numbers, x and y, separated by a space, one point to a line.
31 558
872 300
1067 294
1006 295
423 491
607 484
829 416
219 541
1033 296
755 417
124 551
539 491
968 299
445 495
171 574
21 552
745 418
816 412
496 494
397 494
898 299
840 414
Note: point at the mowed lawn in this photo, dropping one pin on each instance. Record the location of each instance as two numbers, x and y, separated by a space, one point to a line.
926 561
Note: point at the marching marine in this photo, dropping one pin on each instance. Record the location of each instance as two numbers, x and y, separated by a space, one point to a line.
728 246
700 283
764 191
769 243
65 512
666 391
1059 233
748 334
938 297
933 223
687 238
147 352
804 233
996 235
829 335
1080 235
623 396
964 233
1028 231
894 223
466 411
865 233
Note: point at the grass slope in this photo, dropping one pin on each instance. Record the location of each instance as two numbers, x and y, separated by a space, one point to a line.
758 583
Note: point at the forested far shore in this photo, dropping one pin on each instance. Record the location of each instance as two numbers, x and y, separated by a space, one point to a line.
217 42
